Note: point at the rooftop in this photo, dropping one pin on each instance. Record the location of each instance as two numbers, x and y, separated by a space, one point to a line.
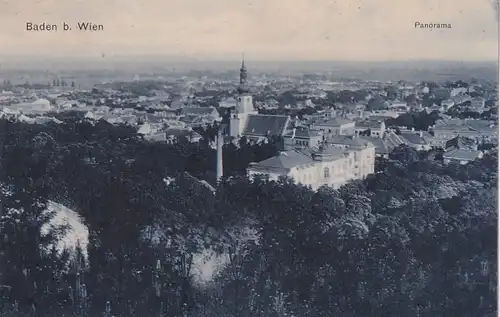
381 145
179 132
335 122
461 142
285 160
393 140
350 141
414 138
265 125
198 110
462 155
375 124
302 133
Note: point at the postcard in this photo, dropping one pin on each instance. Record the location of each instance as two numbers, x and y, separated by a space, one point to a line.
270 158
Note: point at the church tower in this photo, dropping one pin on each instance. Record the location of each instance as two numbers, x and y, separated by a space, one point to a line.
244 105
243 87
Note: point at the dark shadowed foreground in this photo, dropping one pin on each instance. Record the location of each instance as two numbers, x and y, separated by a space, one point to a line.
416 239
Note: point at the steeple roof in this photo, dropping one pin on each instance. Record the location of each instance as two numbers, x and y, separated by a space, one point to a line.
243 86
243 62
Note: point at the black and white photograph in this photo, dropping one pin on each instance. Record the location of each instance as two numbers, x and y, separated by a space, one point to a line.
249 158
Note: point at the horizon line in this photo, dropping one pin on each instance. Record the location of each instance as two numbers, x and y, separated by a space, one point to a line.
132 61
180 58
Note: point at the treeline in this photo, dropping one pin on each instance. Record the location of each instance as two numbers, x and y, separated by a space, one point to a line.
416 239
420 121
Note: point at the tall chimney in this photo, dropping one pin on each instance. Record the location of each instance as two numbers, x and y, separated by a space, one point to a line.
293 132
220 166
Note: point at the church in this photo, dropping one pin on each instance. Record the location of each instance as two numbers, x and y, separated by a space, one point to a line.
246 121
308 159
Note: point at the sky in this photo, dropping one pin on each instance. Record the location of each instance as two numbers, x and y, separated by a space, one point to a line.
354 30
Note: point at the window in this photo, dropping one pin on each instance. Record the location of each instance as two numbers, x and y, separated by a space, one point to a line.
326 172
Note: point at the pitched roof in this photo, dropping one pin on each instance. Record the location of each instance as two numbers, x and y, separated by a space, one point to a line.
369 124
427 135
335 122
381 146
265 125
480 125
448 127
393 140
462 155
330 152
285 160
230 100
303 133
461 142
181 132
414 138
349 141
198 110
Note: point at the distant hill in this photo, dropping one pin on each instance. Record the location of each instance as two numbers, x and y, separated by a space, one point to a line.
390 70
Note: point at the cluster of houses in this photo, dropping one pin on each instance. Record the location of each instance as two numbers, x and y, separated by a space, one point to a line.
156 123
335 150
329 147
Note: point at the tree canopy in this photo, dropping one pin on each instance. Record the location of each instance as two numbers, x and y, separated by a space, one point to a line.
418 238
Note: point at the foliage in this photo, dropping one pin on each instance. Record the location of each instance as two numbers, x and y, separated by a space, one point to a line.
420 121
418 238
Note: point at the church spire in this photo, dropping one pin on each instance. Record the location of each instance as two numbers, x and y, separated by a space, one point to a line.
243 70
243 76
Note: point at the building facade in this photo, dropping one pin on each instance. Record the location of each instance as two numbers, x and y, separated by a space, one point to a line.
478 130
301 138
330 165
376 128
336 126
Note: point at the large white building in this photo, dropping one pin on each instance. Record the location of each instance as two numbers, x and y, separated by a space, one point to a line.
331 164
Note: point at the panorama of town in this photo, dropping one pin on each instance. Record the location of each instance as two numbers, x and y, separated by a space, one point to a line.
327 132
245 192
